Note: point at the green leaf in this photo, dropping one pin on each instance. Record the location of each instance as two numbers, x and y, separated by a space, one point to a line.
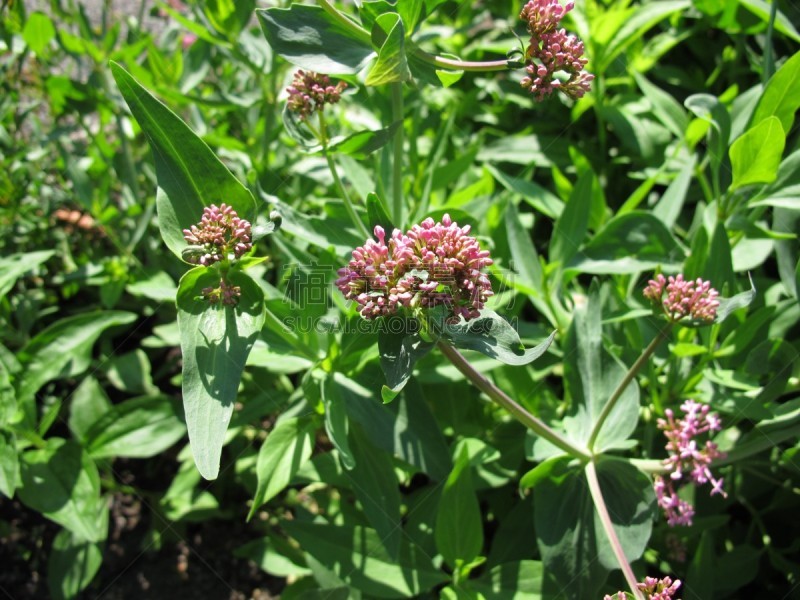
400 347
709 109
190 176
61 482
276 556
511 581
377 213
741 300
9 464
405 428
72 564
357 556
535 195
364 143
13 266
665 108
781 96
492 335
572 541
718 268
635 25
337 425
8 400
459 525
572 226
785 190
61 350
629 243
38 32
670 205
287 448
137 428
410 11
523 252
591 375
375 484
391 66
756 155
307 36
215 342
89 403
542 471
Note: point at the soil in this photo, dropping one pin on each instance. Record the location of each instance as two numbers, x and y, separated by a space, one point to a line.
194 560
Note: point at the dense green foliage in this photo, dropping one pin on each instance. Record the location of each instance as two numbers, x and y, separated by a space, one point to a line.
368 459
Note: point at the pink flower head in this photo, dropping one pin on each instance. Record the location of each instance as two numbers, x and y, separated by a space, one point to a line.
220 232
656 589
554 59
696 299
659 589
686 460
226 294
432 264
312 91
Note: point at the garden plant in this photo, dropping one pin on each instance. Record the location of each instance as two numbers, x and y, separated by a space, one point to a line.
412 299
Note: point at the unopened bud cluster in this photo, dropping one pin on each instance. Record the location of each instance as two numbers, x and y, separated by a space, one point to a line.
225 294
432 264
679 298
655 589
687 461
220 233
312 91
554 59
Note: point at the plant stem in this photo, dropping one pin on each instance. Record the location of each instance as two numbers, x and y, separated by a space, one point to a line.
608 526
615 396
500 397
348 204
397 159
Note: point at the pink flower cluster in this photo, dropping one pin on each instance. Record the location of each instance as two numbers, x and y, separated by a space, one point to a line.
312 91
225 293
220 232
554 59
694 299
656 589
432 264
687 459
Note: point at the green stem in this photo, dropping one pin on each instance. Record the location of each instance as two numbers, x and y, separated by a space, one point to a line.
501 398
632 372
397 160
769 59
348 204
608 526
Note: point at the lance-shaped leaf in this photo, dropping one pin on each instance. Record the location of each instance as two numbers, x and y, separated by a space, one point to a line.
400 346
575 550
61 482
215 342
756 155
61 350
391 66
591 375
492 335
311 38
190 176
459 527
287 449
